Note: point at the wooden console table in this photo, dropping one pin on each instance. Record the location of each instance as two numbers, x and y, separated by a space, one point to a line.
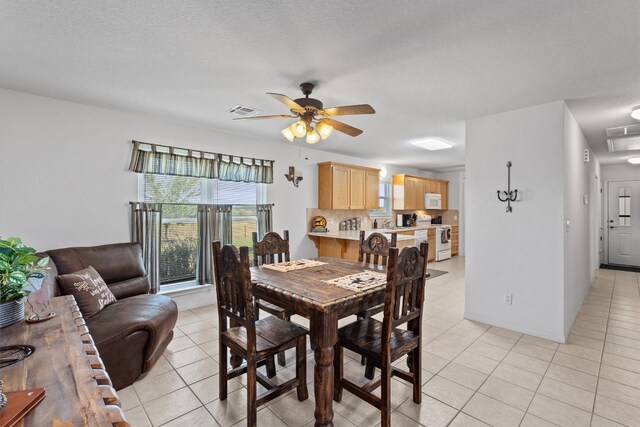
67 364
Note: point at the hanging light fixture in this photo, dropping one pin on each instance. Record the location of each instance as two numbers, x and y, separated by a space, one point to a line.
312 136
299 129
324 129
287 133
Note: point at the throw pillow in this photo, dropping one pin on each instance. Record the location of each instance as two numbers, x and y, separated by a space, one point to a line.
89 289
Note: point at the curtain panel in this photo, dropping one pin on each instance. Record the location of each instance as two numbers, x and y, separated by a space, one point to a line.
166 160
146 223
214 223
265 215
206 237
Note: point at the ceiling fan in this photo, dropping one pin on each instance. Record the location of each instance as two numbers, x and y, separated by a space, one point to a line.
315 121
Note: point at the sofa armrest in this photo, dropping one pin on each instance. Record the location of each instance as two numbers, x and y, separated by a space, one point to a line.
131 287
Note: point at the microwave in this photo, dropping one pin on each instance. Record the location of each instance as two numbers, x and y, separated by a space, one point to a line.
432 201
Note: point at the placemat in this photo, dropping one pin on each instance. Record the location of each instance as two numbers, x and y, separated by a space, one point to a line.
293 265
360 281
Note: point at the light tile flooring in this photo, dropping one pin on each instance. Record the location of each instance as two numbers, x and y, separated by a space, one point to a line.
474 374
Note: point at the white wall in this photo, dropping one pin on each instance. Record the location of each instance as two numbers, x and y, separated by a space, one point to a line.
546 252
622 171
519 252
581 257
63 168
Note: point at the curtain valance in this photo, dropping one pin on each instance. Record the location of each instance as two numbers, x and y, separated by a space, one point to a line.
167 160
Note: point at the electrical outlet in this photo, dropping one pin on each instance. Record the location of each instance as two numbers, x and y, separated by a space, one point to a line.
508 299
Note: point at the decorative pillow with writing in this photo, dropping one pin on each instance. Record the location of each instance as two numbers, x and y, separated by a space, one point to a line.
89 289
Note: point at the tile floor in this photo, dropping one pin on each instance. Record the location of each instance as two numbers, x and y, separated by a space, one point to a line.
474 374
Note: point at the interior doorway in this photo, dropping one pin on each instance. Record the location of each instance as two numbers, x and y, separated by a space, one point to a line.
623 223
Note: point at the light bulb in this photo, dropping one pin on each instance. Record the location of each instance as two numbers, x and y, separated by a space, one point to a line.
286 132
312 137
635 112
324 129
632 160
299 129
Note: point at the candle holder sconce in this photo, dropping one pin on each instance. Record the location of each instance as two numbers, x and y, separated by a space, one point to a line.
293 176
509 195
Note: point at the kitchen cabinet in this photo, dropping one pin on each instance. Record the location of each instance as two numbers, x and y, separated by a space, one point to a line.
431 239
343 186
454 240
372 197
409 191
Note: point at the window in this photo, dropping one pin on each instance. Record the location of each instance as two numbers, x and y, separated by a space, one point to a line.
385 200
179 195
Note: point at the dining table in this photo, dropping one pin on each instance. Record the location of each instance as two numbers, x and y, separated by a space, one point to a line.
304 291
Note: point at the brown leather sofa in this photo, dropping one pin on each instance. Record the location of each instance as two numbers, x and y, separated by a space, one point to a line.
132 333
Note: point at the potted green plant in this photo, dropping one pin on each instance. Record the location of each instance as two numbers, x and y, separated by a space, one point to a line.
18 263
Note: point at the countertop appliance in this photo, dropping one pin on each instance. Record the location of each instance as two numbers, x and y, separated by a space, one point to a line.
423 220
404 220
436 220
443 242
432 201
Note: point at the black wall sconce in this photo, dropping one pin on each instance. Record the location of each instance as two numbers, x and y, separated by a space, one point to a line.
293 176
509 195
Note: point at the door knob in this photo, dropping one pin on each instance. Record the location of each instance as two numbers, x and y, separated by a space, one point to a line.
612 227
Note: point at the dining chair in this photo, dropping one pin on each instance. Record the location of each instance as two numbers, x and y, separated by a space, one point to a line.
271 249
373 250
384 342
256 341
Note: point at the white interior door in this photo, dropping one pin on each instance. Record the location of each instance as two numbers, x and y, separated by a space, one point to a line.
624 222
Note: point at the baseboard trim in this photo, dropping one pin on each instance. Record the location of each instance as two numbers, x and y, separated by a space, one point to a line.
620 267
513 327
193 297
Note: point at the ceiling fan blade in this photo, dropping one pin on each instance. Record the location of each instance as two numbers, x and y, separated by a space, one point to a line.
341 127
265 117
348 110
288 102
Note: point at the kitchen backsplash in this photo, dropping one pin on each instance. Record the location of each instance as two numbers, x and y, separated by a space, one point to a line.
334 216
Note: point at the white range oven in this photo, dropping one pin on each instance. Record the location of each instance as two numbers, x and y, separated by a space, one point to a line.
443 242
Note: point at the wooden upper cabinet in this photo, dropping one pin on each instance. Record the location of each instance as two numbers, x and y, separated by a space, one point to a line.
409 191
372 196
357 188
342 186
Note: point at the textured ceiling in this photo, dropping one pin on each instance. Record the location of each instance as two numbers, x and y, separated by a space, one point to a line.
425 66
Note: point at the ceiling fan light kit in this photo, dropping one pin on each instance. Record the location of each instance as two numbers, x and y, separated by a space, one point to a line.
324 129
314 120
287 133
312 136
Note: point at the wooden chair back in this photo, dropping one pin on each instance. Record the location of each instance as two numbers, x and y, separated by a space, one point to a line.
272 246
406 275
376 246
233 289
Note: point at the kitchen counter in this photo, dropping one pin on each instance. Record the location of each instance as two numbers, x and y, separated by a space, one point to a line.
355 234
344 244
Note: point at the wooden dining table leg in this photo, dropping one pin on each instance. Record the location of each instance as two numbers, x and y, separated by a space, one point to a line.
324 335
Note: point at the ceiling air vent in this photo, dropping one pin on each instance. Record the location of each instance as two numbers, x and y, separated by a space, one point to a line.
623 138
243 111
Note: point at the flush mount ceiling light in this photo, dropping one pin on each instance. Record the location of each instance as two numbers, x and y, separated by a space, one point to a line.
634 160
432 144
315 121
635 112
